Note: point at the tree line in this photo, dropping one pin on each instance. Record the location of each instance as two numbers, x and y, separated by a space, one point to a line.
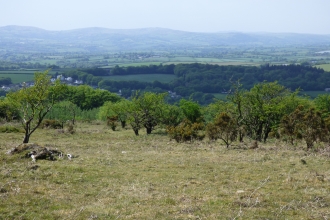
195 80
267 110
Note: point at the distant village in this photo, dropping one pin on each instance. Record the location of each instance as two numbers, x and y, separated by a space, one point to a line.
66 80
69 81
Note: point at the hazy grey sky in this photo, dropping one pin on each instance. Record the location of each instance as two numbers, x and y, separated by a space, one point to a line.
295 16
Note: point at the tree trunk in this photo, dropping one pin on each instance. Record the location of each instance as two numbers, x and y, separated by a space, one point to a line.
259 133
240 135
149 129
27 133
123 124
268 130
136 132
26 138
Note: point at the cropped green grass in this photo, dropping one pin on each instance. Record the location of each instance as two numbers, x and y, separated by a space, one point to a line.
118 175
164 78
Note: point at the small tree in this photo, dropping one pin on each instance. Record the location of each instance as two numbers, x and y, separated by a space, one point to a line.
118 109
224 128
36 101
150 105
134 117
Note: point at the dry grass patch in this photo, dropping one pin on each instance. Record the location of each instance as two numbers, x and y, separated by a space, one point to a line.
120 176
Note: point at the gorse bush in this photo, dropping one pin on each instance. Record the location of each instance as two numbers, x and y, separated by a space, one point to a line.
10 129
224 127
186 131
306 124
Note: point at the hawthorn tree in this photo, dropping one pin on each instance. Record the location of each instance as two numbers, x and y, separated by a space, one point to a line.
150 107
36 101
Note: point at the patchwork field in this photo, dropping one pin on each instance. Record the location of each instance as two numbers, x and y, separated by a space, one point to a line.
117 175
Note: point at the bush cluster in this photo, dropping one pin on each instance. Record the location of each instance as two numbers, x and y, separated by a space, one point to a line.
186 131
48 123
10 129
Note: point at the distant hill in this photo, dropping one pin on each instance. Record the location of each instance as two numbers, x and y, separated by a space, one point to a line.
103 39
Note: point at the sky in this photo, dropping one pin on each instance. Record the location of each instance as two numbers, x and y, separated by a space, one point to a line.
274 16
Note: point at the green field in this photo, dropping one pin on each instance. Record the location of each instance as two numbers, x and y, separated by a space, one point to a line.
20 76
164 78
326 67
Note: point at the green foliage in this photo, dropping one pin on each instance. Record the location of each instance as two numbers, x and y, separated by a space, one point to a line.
35 102
8 110
172 115
224 128
212 110
209 78
150 106
10 129
64 111
322 103
135 117
191 110
85 97
260 109
186 131
118 109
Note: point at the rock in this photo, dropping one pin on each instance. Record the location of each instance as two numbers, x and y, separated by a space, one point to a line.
36 152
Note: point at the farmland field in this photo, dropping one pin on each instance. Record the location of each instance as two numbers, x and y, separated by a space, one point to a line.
117 175
326 67
164 78
20 76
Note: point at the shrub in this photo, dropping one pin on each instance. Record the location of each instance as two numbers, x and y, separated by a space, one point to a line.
186 131
224 128
112 122
47 123
10 129
305 124
70 128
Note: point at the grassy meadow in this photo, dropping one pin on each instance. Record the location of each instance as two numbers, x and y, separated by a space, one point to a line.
326 67
118 175
19 76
